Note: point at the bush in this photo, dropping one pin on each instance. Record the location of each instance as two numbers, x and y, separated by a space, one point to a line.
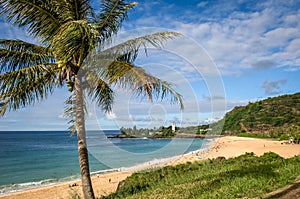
284 137
253 135
271 156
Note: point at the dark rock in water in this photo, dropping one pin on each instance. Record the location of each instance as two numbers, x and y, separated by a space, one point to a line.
122 136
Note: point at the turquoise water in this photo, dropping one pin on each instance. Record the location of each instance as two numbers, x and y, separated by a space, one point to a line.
44 157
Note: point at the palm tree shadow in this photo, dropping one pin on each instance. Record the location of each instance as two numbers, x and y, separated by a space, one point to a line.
253 171
265 170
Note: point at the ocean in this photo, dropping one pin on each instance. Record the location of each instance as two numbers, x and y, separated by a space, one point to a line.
38 158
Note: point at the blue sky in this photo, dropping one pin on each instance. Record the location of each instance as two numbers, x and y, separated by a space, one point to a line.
231 52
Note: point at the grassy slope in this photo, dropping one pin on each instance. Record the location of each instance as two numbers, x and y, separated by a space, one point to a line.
265 115
244 176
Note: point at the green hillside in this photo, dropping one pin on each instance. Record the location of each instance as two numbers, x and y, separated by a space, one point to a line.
272 117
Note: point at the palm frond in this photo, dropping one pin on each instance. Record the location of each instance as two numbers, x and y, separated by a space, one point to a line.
26 86
128 50
76 10
135 78
42 18
123 55
17 54
145 84
70 112
110 18
99 91
74 39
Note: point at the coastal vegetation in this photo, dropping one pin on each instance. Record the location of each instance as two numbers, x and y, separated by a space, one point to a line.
246 176
277 117
200 129
161 132
283 133
73 50
165 133
269 116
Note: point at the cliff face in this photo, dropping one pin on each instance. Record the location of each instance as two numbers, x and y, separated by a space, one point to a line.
262 117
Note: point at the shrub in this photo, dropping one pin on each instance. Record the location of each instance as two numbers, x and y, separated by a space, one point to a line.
284 137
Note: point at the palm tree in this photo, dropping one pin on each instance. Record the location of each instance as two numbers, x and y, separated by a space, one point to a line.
72 50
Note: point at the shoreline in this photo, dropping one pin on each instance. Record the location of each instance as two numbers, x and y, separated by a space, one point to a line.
133 166
179 135
107 181
152 164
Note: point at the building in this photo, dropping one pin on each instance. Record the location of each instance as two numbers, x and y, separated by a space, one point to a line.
173 127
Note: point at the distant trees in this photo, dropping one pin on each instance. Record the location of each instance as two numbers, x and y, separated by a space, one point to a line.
202 129
166 132
161 132
135 132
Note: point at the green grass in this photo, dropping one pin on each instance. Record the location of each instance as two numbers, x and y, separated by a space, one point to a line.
244 176
253 135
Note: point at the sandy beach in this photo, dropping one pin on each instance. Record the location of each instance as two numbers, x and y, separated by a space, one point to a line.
104 184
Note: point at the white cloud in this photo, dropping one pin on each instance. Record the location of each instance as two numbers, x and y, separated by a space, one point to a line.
111 116
237 39
13 32
202 4
62 116
212 120
263 64
279 37
273 87
294 47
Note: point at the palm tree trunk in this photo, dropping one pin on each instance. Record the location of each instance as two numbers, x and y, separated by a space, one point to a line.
82 147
